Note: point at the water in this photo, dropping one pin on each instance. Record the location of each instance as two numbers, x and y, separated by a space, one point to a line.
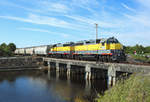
35 86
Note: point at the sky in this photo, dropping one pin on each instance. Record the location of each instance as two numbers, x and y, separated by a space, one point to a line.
42 22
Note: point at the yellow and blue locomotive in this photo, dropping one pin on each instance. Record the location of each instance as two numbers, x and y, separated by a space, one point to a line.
105 50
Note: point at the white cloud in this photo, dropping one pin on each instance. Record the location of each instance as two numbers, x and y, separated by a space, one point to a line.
88 21
85 2
135 37
15 18
54 7
127 7
139 20
65 35
43 20
82 23
144 3
36 30
44 31
15 5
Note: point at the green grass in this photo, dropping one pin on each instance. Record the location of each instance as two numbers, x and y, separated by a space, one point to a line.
134 89
141 57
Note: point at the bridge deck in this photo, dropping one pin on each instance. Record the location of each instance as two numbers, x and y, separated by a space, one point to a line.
129 68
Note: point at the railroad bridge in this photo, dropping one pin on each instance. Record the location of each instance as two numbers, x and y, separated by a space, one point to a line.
92 69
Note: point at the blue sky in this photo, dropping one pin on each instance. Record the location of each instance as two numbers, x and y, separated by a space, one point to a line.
40 22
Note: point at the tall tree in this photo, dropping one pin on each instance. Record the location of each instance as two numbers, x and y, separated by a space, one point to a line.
3 45
7 50
12 46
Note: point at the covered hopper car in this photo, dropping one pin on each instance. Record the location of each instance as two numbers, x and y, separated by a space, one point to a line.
36 50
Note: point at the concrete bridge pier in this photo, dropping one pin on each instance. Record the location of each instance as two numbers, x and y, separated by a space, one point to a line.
111 76
88 78
49 71
68 70
57 70
49 66
88 72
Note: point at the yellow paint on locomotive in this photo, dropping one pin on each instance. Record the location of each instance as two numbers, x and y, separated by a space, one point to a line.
80 48
90 47
115 46
66 48
93 47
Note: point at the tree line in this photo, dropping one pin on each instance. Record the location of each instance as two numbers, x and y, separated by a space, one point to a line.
7 50
138 48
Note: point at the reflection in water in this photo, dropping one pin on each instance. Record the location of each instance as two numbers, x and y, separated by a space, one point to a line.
39 87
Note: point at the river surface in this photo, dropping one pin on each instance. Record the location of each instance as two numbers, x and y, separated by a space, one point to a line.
36 86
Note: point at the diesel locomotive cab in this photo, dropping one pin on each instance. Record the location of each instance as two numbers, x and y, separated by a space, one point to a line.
116 49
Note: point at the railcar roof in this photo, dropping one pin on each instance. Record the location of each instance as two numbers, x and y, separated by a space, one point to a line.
34 46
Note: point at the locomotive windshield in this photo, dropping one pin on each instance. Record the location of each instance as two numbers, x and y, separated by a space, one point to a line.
112 40
98 41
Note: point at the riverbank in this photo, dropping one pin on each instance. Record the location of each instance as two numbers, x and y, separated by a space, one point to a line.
19 63
134 89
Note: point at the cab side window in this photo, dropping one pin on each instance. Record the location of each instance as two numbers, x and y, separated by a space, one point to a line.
103 43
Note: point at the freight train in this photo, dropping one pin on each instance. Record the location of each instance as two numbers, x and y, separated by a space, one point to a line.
105 50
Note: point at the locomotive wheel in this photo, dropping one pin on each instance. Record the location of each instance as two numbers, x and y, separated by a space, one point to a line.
63 56
67 56
105 57
73 56
100 58
77 57
108 57
80 57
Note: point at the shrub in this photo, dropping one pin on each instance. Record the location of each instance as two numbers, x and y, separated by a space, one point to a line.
134 89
